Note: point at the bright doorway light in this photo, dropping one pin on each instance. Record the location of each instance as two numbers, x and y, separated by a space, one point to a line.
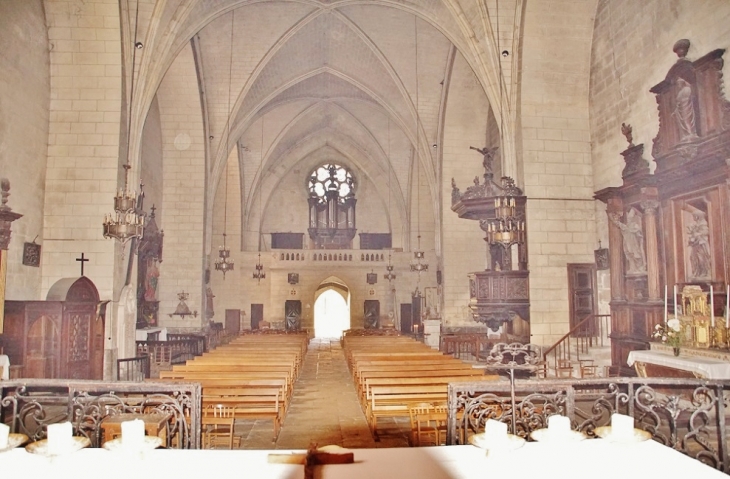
331 315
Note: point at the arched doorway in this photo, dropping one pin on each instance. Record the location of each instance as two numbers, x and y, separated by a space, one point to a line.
331 314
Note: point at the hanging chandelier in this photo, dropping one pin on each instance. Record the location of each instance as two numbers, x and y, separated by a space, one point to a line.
127 221
418 266
419 256
506 228
258 273
390 276
224 263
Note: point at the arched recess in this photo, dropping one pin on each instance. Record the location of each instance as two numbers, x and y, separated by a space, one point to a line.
331 308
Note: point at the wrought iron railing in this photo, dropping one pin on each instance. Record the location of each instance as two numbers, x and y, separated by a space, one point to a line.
685 414
591 331
133 369
29 405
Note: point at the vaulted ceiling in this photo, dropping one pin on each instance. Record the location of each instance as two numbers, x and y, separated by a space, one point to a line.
362 80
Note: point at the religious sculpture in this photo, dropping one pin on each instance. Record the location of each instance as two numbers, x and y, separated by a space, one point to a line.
684 111
209 312
488 154
698 240
633 241
151 280
455 193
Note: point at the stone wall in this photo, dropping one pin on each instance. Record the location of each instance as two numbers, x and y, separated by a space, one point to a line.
24 115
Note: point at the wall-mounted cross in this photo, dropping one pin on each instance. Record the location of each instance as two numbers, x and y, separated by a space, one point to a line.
82 260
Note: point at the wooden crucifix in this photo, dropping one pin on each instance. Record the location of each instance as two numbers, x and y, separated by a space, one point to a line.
82 260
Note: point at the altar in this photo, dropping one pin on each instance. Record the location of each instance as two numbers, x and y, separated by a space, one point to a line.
691 363
594 458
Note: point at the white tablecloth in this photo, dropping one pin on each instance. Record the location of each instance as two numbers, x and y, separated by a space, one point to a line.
707 368
4 367
592 458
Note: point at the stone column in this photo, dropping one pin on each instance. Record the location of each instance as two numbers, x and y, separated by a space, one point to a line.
650 205
6 219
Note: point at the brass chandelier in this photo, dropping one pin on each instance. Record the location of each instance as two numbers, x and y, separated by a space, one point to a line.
127 221
507 228
224 263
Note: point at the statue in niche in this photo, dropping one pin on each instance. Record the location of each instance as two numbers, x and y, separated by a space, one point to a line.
684 110
633 241
151 280
698 240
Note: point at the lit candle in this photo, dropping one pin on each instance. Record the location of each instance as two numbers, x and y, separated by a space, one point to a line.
622 426
712 306
59 437
666 302
133 433
675 301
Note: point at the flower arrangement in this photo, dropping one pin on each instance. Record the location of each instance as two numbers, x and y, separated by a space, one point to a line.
669 333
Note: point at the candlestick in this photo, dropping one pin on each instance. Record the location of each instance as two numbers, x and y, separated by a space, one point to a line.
666 302
727 308
712 306
4 434
675 301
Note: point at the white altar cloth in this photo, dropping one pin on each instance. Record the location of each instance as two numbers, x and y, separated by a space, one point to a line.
592 458
706 368
4 367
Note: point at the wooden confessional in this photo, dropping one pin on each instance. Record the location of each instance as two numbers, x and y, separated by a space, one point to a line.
62 337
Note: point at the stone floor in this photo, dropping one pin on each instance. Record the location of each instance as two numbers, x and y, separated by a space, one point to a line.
324 410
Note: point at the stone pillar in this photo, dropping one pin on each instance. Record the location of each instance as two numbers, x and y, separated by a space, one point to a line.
650 205
6 219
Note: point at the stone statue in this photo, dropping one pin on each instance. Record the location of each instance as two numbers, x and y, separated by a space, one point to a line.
698 240
488 154
455 193
684 111
209 312
633 237
627 131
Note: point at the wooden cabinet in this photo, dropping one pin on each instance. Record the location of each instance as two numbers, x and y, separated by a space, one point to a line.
62 337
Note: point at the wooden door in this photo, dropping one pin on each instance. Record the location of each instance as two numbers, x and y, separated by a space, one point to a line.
43 349
257 315
582 294
372 314
293 314
233 321
406 320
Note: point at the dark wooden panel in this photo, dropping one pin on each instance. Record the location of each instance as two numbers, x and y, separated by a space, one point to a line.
287 240
375 241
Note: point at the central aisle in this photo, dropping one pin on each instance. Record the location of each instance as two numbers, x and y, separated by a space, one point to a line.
324 409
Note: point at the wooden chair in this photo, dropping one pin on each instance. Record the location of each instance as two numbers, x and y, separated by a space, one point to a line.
542 370
218 423
564 369
424 429
588 369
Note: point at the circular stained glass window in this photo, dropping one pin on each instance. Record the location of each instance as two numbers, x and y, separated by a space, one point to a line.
331 178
